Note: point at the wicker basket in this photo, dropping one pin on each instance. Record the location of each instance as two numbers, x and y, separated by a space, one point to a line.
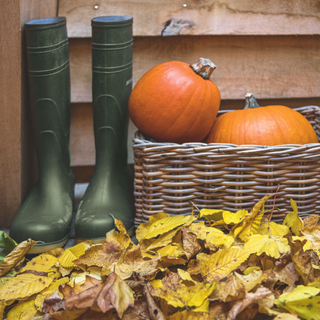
173 178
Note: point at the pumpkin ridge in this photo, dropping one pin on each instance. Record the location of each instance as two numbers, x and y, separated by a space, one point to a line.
271 114
172 103
194 124
269 125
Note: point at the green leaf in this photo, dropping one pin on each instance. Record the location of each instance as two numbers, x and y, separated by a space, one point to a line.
7 244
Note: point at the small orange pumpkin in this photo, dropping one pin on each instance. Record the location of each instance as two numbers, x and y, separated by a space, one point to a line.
270 125
175 101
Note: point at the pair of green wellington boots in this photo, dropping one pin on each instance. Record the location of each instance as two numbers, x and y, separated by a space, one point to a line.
46 213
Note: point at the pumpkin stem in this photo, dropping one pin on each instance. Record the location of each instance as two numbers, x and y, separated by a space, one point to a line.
251 102
203 67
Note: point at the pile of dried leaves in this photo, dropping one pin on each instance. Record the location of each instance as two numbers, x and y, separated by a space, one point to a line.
182 268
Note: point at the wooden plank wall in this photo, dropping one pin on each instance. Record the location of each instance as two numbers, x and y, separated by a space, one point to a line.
269 48
17 169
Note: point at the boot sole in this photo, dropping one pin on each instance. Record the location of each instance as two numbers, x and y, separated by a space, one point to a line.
42 248
130 233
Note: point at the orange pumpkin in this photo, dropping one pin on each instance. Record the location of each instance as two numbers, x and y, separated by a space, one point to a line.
175 101
270 125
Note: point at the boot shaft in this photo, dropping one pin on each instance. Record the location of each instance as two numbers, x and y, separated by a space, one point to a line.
49 84
111 87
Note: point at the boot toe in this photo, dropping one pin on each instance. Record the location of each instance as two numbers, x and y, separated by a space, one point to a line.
94 226
45 231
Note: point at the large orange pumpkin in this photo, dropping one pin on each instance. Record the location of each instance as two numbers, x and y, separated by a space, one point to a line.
270 125
175 101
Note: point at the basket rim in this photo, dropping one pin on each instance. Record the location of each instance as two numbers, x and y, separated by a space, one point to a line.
140 139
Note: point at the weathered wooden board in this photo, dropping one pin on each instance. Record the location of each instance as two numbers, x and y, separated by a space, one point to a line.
269 67
198 17
16 156
82 139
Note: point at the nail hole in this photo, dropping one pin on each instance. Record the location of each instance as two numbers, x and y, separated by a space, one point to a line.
184 5
96 7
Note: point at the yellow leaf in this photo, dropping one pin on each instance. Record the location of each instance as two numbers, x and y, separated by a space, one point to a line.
174 250
119 237
273 246
185 275
164 225
204 308
234 217
180 295
47 292
213 214
8 276
162 241
156 283
286 316
221 263
15 256
250 269
143 228
214 237
132 261
313 236
120 226
79 277
24 285
71 254
303 301
252 279
299 293
25 310
292 219
2 307
307 245
41 263
251 222
273 229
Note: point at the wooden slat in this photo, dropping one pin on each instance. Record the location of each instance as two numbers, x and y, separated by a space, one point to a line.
17 159
205 17
81 135
10 101
269 67
82 139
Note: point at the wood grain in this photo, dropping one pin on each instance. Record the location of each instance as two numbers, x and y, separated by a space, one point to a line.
17 162
195 17
10 122
82 139
82 146
269 67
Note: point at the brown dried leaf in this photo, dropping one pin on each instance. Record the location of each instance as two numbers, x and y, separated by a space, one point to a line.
313 235
91 314
311 221
191 245
132 261
103 256
15 256
250 298
304 261
155 312
112 293
287 274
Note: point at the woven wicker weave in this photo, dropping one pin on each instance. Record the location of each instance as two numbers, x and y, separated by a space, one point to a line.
173 178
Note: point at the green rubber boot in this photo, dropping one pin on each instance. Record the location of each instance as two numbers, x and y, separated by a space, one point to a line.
110 190
46 213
